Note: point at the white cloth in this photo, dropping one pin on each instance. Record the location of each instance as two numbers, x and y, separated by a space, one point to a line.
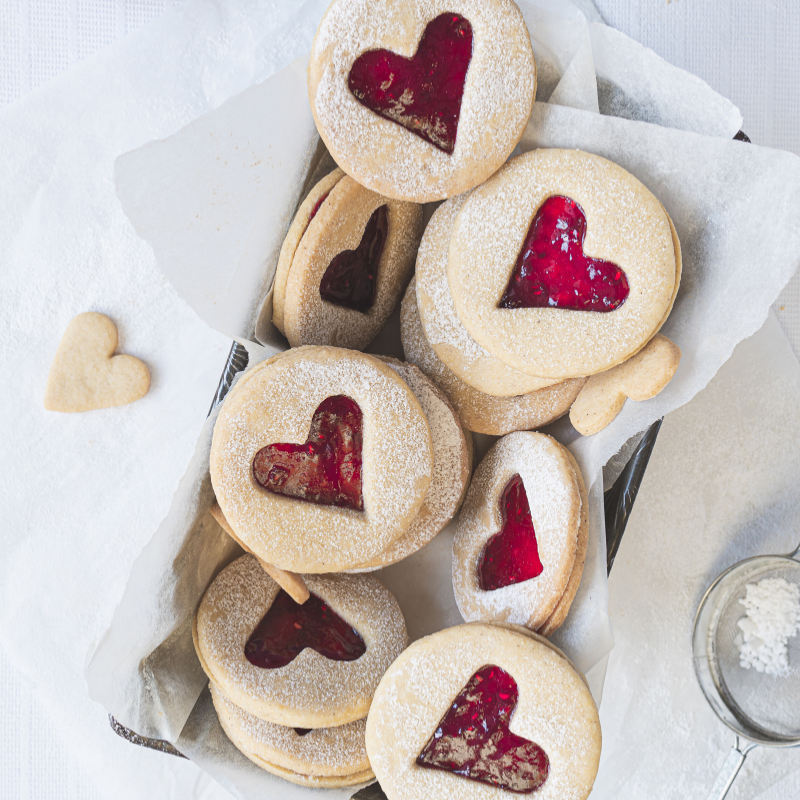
752 58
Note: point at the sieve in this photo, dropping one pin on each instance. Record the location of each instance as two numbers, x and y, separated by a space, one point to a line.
760 709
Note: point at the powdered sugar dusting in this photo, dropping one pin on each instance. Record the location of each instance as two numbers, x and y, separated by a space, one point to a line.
312 691
625 224
555 503
338 750
444 331
450 468
555 710
338 226
275 402
481 412
497 101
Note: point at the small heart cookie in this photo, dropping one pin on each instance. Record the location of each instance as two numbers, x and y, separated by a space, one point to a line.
86 375
639 378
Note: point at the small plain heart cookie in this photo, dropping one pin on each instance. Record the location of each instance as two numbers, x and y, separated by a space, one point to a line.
314 665
638 378
86 375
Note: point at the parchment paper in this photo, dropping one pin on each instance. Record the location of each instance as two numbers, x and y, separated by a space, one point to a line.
155 683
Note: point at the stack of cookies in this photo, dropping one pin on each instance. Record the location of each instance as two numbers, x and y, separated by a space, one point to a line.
535 290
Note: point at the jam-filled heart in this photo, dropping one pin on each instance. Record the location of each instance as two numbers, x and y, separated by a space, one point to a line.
327 468
473 739
511 556
552 270
422 93
289 628
351 277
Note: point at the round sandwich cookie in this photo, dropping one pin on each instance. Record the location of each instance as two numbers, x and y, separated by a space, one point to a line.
517 535
344 264
321 459
452 466
421 99
479 412
314 665
450 340
320 757
563 264
534 727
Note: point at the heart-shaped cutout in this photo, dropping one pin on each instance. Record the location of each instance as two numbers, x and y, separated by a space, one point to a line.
86 375
640 377
473 739
326 469
289 628
512 555
552 271
351 277
422 93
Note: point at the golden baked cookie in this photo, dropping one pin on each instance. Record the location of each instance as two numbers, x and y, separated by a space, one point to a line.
421 99
563 264
314 665
481 412
450 340
86 375
349 269
537 728
302 219
320 459
556 619
320 757
516 538
452 466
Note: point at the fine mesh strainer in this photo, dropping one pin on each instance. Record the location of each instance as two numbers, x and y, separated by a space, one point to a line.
762 709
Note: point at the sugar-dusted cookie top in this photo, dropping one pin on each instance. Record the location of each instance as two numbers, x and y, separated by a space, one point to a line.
421 99
321 458
563 264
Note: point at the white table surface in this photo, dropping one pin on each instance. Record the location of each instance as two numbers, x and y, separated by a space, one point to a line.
747 51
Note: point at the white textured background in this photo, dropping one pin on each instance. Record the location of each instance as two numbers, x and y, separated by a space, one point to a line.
745 50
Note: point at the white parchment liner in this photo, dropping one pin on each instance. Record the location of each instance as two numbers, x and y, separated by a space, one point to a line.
214 202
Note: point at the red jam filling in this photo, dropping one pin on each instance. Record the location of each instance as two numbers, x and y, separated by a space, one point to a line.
422 93
351 277
511 556
288 628
302 731
326 469
473 739
317 206
552 270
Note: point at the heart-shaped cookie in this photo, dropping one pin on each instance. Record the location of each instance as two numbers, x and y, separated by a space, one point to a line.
288 628
552 271
351 277
512 555
641 377
326 469
422 93
473 739
85 373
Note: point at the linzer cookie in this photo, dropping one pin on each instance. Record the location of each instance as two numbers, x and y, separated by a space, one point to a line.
321 459
481 412
421 100
444 331
563 264
452 466
533 725
517 536
344 264
314 665
321 758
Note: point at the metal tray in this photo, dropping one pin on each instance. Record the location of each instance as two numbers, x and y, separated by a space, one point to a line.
618 501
